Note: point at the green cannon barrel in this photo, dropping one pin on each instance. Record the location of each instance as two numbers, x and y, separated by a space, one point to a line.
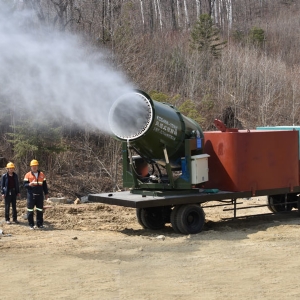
149 126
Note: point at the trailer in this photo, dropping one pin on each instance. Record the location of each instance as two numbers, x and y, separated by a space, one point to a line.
171 167
184 211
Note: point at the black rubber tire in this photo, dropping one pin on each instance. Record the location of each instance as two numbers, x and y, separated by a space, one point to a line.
153 217
190 219
293 198
173 218
270 207
139 217
167 210
276 204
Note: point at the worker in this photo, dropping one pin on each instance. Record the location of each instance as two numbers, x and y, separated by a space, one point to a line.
36 185
10 190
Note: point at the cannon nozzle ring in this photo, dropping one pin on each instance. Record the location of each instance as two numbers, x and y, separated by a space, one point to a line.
131 116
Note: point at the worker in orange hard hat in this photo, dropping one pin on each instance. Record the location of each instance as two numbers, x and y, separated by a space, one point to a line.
36 185
10 190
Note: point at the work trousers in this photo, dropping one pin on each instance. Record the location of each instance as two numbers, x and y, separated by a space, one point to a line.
36 200
11 198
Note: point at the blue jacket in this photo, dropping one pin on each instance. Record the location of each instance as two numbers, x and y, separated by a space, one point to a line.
4 184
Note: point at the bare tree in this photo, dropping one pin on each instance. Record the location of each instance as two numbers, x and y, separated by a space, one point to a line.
198 4
159 14
173 14
178 13
142 12
187 20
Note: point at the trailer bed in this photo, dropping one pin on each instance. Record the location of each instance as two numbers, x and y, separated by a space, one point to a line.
129 199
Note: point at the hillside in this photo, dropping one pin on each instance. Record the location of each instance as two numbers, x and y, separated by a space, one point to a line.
152 45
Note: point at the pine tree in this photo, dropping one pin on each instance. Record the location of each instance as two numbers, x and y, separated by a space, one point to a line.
205 37
36 140
257 36
188 108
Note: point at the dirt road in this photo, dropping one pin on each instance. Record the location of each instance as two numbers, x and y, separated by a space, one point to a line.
94 251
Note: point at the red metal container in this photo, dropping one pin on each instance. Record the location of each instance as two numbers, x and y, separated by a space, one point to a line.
252 160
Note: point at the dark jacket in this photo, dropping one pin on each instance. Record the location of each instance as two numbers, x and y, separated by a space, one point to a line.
4 184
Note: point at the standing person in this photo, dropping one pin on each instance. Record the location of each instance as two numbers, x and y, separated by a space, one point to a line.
36 185
10 190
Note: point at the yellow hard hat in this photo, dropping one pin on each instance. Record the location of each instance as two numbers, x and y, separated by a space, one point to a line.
34 162
10 165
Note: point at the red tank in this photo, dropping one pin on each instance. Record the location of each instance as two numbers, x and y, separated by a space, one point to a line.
252 160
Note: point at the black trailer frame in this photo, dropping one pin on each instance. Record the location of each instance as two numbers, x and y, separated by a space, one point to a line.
184 211
129 199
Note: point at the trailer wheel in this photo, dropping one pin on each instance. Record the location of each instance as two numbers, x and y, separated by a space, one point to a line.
293 198
270 207
139 217
173 218
153 217
167 210
190 219
276 204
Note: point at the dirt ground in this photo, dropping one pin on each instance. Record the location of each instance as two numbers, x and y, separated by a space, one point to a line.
97 251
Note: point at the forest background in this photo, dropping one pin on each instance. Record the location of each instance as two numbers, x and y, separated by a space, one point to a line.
206 57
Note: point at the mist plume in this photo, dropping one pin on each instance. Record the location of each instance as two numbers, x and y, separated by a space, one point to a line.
50 74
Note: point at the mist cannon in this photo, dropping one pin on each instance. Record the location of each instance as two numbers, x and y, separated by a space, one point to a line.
160 135
150 126
174 189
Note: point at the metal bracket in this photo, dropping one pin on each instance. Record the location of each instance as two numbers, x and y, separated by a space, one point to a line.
168 167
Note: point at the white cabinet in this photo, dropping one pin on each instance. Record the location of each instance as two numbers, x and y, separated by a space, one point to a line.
199 170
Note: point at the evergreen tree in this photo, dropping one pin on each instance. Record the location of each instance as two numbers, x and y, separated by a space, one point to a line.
36 140
257 36
188 108
205 37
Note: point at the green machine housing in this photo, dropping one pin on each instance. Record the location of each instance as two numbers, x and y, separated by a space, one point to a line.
162 149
